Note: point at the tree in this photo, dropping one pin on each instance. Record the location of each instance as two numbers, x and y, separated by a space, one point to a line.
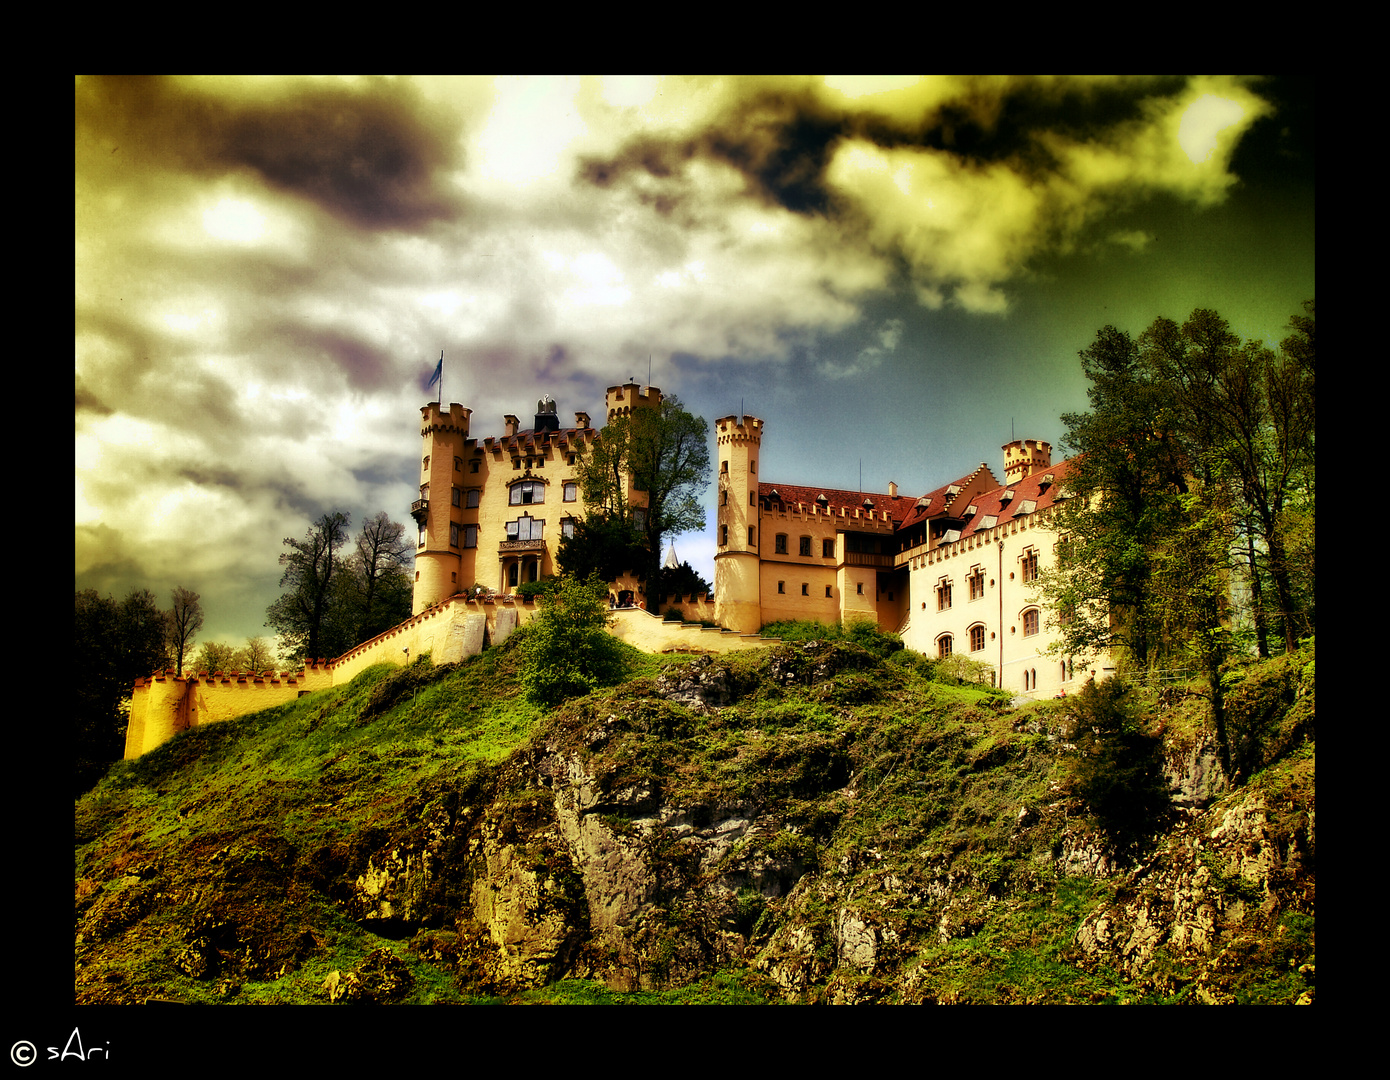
1193 572
185 620
255 656
116 643
567 649
378 578
1124 489
683 580
601 546
301 615
213 657
1247 413
663 453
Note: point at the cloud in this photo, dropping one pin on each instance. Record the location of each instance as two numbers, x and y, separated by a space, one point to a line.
267 269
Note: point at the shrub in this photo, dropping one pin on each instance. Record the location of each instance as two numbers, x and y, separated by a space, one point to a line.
567 650
1119 770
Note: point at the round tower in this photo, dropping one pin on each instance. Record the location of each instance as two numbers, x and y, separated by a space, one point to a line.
1024 457
737 596
439 556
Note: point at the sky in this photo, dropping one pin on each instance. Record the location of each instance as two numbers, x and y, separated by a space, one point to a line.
896 274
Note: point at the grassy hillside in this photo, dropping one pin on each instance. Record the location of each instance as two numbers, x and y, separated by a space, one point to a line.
808 823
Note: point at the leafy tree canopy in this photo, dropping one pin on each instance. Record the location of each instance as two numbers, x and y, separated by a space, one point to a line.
647 472
567 650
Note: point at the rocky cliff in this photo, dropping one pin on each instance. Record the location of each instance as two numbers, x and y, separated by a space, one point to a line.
806 824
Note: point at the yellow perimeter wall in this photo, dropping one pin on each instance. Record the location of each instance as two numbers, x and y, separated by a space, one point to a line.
165 704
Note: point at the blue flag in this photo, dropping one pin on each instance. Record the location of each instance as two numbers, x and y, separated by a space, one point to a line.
438 372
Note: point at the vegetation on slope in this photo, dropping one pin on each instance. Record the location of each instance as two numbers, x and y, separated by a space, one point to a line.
902 840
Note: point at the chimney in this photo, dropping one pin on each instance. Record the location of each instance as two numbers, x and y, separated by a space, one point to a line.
510 425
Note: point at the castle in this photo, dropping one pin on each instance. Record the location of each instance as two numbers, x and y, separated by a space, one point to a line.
951 571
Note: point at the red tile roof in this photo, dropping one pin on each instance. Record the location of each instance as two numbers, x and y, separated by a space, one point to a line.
1030 490
897 506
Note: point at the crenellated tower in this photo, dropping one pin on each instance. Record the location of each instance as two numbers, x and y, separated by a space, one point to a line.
1024 457
439 560
737 592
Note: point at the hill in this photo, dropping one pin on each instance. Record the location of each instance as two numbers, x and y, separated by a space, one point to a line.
807 823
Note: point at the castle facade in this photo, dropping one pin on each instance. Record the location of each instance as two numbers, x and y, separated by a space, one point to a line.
492 512
952 571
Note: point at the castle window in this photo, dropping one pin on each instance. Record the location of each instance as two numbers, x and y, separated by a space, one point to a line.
567 527
458 464
527 492
977 638
1030 564
723 466
943 646
453 535
752 536
571 492
425 465
805 587
781 586
827 592
473 466
474 496
943 594
723 536
753 466
827 549
639 518
456 496
859 587
470 536
780 547
805 548
977 584
516 464
526 528
752 499
724 497
1030 622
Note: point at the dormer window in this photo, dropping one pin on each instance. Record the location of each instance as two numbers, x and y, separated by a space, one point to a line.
1007 496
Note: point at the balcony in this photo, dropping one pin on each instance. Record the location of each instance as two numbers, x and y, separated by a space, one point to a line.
863 558
420 510
511 547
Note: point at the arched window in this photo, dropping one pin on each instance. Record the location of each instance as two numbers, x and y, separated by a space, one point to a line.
1030 622
977 638
943 646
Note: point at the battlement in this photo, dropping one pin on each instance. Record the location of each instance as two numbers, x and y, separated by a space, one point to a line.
864 520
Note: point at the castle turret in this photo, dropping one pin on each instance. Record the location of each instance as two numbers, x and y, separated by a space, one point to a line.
1024 457
622 400
737 592
439 558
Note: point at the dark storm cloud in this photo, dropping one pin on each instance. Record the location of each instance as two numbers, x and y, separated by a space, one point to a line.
370 154
783 141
